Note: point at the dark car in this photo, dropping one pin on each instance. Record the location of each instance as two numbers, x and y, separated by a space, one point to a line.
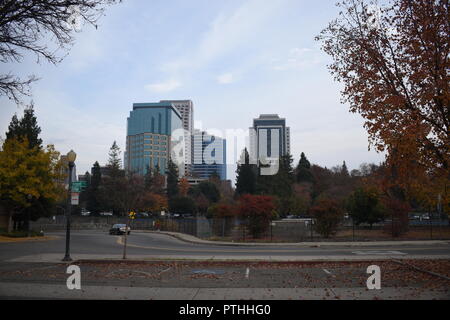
119 229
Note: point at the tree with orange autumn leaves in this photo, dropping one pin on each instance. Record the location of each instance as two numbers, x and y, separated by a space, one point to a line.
256 212
393 61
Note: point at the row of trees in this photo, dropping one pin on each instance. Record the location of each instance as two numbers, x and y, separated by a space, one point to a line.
367 194
119 191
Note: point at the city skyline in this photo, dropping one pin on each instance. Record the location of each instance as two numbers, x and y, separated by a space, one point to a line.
227 75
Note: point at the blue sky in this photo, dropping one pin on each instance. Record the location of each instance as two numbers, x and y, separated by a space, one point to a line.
234 59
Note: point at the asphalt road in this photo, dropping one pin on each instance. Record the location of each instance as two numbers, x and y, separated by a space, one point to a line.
33 270
142 244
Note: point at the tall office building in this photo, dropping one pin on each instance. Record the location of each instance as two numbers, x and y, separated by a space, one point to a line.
150 141
269 137
209 156
186 109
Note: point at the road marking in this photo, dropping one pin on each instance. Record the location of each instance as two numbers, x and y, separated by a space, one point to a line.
378 252
247 273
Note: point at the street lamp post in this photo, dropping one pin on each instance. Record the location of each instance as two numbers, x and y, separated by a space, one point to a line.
71 156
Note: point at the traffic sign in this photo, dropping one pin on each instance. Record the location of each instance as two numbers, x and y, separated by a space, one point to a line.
74 199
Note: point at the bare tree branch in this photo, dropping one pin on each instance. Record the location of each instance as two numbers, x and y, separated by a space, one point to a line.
27 26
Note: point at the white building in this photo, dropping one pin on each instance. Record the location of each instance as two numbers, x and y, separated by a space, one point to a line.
186 109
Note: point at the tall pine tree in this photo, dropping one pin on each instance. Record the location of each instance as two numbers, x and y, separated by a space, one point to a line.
303 170
245 175
26 127
172 179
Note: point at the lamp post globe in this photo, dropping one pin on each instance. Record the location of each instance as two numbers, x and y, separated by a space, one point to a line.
71 156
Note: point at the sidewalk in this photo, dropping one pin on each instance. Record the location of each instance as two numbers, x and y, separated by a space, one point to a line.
192 239
60 291
57 257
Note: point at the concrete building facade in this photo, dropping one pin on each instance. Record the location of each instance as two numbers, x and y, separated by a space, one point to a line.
186 109
269 137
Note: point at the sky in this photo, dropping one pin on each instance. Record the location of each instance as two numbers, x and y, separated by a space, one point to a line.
234 59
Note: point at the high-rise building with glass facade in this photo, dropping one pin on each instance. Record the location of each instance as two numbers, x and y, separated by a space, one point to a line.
269 137
209 156
151 137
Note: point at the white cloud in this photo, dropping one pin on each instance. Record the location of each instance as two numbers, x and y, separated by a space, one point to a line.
225 78
298 58
166 86
228 31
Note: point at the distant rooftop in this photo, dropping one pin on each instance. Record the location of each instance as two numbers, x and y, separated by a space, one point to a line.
269 117
161 104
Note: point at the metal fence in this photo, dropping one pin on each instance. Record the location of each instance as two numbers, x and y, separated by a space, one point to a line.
289 230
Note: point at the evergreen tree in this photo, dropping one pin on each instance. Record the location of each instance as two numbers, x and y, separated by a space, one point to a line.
303 170
245 176
172 179
344 170
115 163
279 184
26 127
148 178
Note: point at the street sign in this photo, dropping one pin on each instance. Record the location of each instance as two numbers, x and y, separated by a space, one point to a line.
78 186
74 199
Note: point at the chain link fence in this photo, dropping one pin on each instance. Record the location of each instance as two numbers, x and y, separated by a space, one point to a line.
229 229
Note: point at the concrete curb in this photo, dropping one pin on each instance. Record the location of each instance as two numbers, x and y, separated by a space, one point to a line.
192 239
26 239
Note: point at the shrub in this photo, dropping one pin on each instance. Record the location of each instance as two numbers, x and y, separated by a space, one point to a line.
364 205
397 210
328 214
257 212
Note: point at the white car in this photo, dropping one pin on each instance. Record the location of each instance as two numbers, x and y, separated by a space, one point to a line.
106 214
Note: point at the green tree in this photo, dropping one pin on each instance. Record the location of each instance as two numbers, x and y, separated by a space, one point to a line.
364 206
26 127
172 179
245 176
179 204
29 179
208 189
279 184
303 170
114 161
344 170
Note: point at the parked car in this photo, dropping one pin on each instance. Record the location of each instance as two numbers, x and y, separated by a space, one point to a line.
109 214
85 213
119 229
